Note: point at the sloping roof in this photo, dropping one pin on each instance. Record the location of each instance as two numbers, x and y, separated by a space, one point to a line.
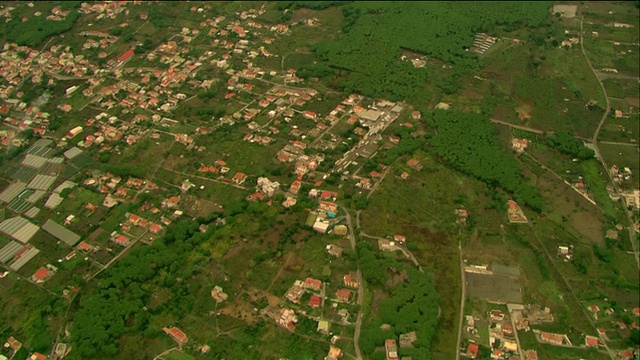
65 185
60 232
37 195
53 201
34 161
24 259
41 182
33 212
12 191
56 160
19 228
9 251
40 144
73 152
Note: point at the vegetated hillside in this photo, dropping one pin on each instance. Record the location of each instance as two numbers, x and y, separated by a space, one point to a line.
35 29
468 143
368 54
412 304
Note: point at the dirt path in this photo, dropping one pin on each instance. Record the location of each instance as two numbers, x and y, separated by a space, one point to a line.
285 263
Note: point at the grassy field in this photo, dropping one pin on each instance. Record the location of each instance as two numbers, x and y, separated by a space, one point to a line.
623 156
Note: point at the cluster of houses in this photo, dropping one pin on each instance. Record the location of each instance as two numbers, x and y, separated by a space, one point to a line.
12 346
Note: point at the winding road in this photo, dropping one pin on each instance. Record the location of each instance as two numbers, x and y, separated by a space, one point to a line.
594 140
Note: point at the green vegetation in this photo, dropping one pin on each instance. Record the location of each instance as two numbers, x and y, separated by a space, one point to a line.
568 144
37 28
366 58
412 304
467 142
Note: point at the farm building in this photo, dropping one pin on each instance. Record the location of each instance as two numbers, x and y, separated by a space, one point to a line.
19 228
61 233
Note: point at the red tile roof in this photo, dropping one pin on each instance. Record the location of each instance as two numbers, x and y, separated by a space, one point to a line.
315 301
124 57
472 351
41 274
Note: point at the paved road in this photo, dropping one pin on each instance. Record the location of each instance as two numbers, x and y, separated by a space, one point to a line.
356 335
594 140
462 299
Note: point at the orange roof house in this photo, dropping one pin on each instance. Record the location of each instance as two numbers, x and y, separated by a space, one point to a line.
315 301
472 351
351 280
343 295
311 283
155 228
41 275
177 335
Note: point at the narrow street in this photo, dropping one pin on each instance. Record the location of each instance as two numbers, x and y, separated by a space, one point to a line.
360 301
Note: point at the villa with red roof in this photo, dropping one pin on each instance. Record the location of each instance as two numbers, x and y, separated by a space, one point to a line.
155 228
177 335
343 295
315 301
311 283
472 351
41 275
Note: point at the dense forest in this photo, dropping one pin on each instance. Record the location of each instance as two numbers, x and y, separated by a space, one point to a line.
366 57
568 144
37 28
467 142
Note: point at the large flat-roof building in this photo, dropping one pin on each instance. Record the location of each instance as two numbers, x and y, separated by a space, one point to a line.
61 233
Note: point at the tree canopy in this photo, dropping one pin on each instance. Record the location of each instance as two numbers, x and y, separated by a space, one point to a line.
467 141
366 59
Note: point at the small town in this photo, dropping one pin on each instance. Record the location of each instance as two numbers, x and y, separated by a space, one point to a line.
189 175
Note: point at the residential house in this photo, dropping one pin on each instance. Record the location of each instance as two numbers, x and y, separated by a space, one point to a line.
551 338
289 202
121 240
239 178
172 202
310 283
315 301
310 115
295 292
591 341
472 350
343 295
218 294
335 353
399 238
155 228
351 280
41 275
177 335
37 356
295 187
391 349
340 230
